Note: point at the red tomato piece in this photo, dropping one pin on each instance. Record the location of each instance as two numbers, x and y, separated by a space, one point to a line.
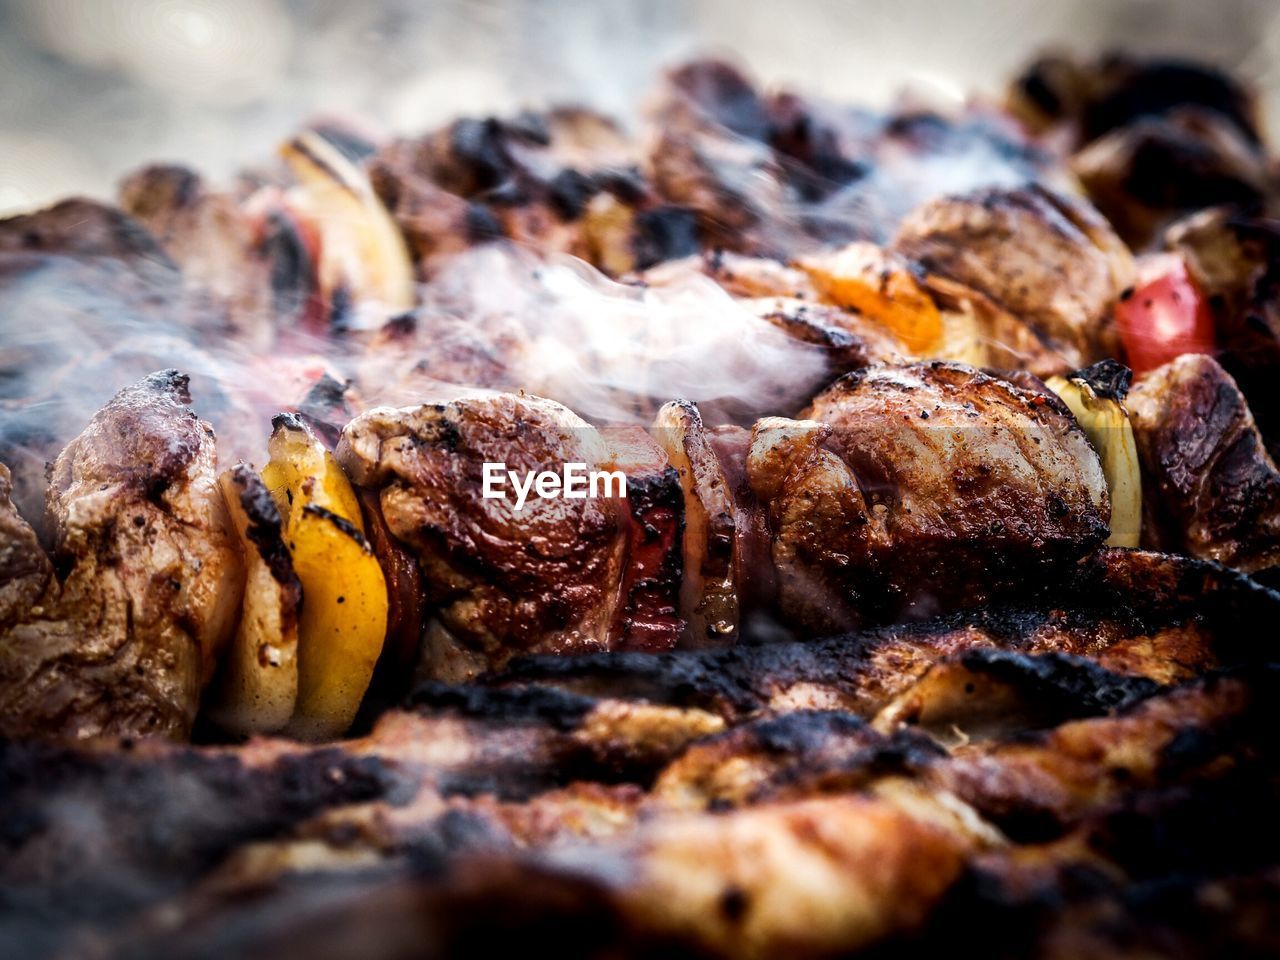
1165 316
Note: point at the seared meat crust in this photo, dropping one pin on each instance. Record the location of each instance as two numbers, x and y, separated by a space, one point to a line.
541 579
1204 464
152 577
1052 262
922 486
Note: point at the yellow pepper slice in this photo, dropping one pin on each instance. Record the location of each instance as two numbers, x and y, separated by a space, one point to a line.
344 594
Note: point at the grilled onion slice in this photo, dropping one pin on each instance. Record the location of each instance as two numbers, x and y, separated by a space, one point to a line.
258 687
363 255
709 594
1095 396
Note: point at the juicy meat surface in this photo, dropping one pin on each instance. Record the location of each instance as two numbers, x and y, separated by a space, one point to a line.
151 577
913 488
541 578
1052 262
1215 489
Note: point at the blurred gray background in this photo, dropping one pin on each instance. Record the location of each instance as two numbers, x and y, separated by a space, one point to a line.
92 88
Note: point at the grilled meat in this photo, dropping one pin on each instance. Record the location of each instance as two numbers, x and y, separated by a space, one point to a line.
922 486
1146 173
1052 262
502 580
90 301
1137 614
630 722
151 577
1234 257
1215 489
1152 138
1036 786
210 236
889 795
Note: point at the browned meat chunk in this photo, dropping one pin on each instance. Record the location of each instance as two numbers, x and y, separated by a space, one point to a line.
1154 137
541 578
90 301
710 157
1236 260
1144 174
910 488
1052 262
212 239
1204 466
153 577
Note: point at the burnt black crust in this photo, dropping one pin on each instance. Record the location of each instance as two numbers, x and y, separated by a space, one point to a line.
1063 685
562 710
173 818
1108 379
266 527
342 523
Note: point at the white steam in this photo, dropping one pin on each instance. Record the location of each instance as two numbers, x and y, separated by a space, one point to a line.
611 352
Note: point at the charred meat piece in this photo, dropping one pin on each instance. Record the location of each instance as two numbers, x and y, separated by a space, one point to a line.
648 616
710 156
1142 175
1139 614
151 577
1036 786
1153 137
89 301
791 756
456 806
1118 90
516 742
1215 488
147 822
435 222
563 181
1052 262
503 580
984 693
1235 257
917 488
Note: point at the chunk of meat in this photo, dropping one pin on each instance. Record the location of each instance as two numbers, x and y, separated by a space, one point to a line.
648 616
212 239
1051 261
709 156
152 581
542 578
1142 175
1235 258
1152 137
1205 466
910 488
